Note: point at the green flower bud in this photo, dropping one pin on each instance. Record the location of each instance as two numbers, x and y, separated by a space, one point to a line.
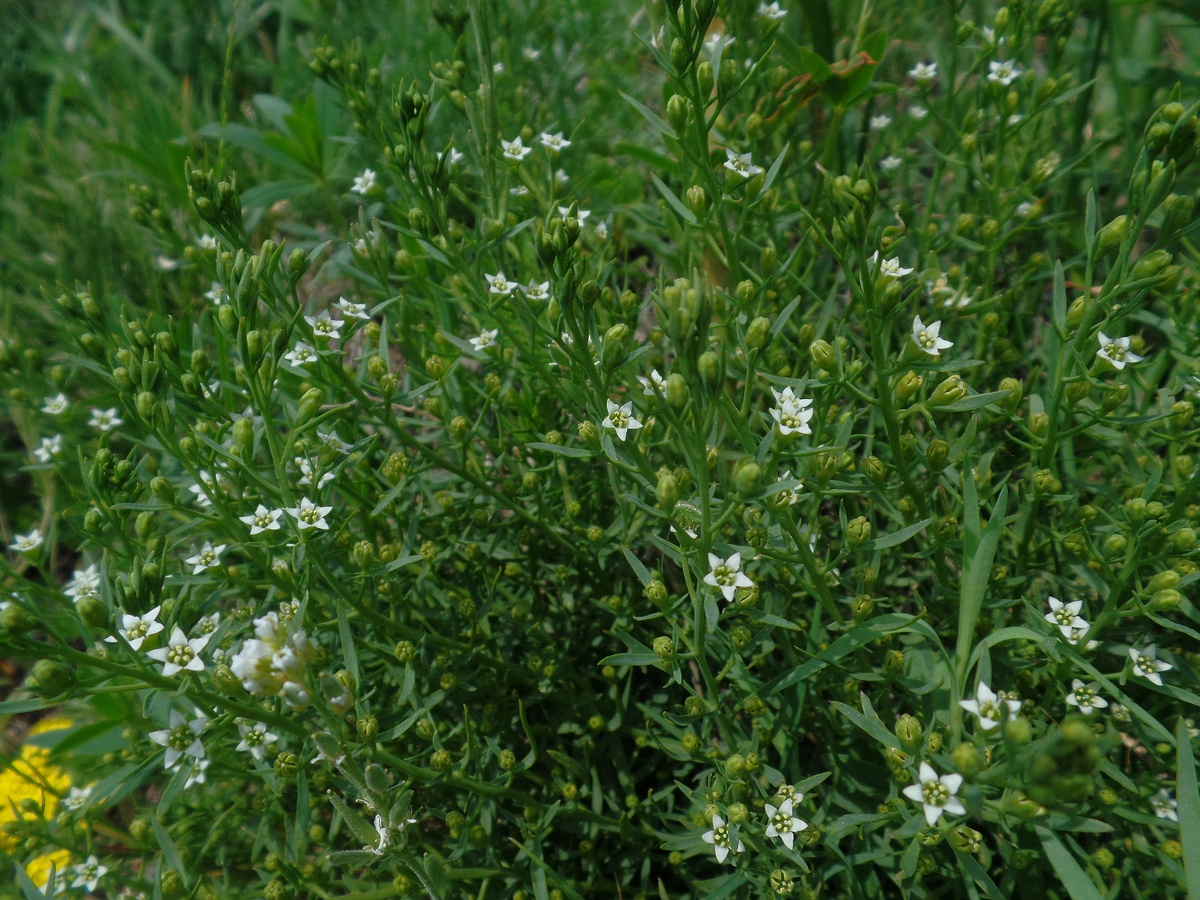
1039 422
367 728
287 764
951 390
875 470
893 663
243 433
616 345
677 106
1165 600
967 760
172 884
664 648
1184 540
908 385
697 200
704 75
655 591
1017 730
937 454
677 390
667 492
121 378
748 478
588 433
1181 413
441 760
709 365
49 678
1150 264
227 317
309 406
909 731
680 55
1114 545
858 530
864 604
758 333
225 681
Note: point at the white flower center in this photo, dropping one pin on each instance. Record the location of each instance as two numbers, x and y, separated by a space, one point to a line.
618 419
782 823
721 837
180 738
1064 616
926 340
180 655
310 516
725 575
936 794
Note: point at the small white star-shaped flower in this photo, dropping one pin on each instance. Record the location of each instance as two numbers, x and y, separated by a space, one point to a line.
580 215
1116 351
782 824
181 653
301 355
514 149
724 839
990 708
890 164
50 448
1086 697
555 142
309 515
135 629
880 122
56 405
791 413
486 339
88 874
105 419
216 294
926 337
923 72
740 164
1003 72
890 268
352 310
717 42
772 13
1165 805
85 583
539 292
620 419
196 769
453 157
727 575
324 327
182 738
1147 664
1066 616
653 385
206 558
364 183
255 738
498 284
936 795
27 543
77 797
307 473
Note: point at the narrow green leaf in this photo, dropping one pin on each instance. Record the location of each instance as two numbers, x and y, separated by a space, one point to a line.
1089 221
872 726
650 116
630 659
895 538
348 648
574 452
1060 297
773 172
977 401
674 202
169 851
1187 794
1069 872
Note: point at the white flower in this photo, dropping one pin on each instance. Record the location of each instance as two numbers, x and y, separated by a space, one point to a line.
926 337
555 142
717 42
923 72
255 738
535 291
581 215
50 448
216 294
782 824
181 653
723 838
301 354
791 413
654 385
772 12
453 157
351 310
918 112
1086 697
561 176
1120 712
331 440
196 769
27 543
323 326
740 164
135 629
1003 72
486 339
274 661
76 798
309 515
104 419
989 707
601 231
208 557
1066 616
936 794
1164 805
1116 351
531 53
880 122
207 242
514 149
364 183
788 496
890 164
620 419
85 583
498 284
1147 664
727 575
88 874
890 268
55 405
307 472
208 624
182 738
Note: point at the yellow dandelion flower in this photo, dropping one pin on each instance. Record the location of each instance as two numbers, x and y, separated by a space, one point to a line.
31 776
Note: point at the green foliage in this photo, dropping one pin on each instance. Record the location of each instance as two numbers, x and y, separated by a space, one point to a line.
555 450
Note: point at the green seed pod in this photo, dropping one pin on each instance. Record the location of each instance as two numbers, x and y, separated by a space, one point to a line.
967 760
937 454
875 470
309 406
664 648
858 531
909 731
678 107
864 604
667 492
677 390
951 390
1150 264
908 386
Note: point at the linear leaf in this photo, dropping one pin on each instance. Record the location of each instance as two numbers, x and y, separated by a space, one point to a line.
1188 795
896 537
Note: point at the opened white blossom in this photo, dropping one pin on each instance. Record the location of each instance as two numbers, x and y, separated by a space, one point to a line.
653 385
1165 806
918 112
255 738
485 339
309 515
364 183
301 355
275 660
923 72
135 629
1147 664
1086 697
1066 616
56 405
771 11
788 496
262 519
724 839
621 419
741 164
196 769
791 413
890 268
782 824
85 583
727 575
498 284
207 557
580 215
936 794
105 419
717 42
879 122
49 448
990 708
217 294
927 337
515 149
1003 72
555 141
182 738
88 874
331 440
890 164
537 291
27 543
1116 351
351 310
77 797
181 653
324 327
308 474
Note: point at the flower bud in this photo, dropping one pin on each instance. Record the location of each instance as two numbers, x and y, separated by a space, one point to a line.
1181 413
49 678
664 648
951 390
709 365
758 333
1110 236
824 357
858 530
908 385
1150 264
1165 600
309 406
227 317
677 390
909 731
223 680
616 341
1114 545
1184 540
1039 422
875 470
287 764
677 106
748 478
243 433
697 200
667 492
893 663
937 454
588 433
967 760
